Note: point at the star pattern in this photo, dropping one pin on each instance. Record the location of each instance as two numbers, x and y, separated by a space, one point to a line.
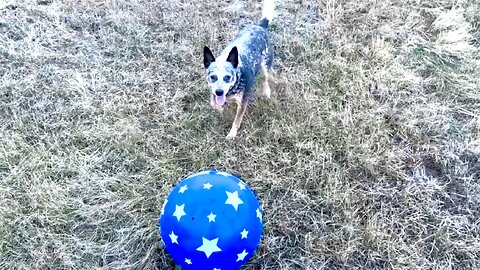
173 238
183 189
163 207
241 256
209 246
241 185
207 186
211 217
195 196
179 212
224 174
244 234
259 214
233 199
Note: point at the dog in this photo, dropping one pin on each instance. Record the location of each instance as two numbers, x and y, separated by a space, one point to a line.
232 75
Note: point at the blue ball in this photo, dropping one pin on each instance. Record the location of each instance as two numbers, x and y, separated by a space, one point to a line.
211 220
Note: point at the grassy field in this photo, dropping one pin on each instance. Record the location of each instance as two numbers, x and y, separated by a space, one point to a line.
367 156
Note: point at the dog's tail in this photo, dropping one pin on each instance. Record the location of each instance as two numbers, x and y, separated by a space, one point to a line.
268 12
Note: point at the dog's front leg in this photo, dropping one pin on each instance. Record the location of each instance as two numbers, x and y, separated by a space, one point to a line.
241 109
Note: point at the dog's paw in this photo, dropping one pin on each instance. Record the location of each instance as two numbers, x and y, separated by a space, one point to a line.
231 135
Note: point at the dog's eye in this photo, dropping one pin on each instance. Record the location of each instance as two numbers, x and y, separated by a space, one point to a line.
213 78
227 78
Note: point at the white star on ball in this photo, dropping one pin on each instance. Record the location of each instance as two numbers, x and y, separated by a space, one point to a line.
209 246
259 214
224 174
179 211
207 186
182 189
233 199
164 204
211 217
188 261
241 185
244 234
173 237
241 256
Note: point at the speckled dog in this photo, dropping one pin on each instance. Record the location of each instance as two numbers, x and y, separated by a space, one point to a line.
232 75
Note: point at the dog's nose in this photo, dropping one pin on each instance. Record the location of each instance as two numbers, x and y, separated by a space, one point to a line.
219 92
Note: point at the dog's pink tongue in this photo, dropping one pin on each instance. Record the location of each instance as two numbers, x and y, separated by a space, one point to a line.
220 100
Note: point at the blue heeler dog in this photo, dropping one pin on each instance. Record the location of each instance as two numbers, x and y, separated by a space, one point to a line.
232 75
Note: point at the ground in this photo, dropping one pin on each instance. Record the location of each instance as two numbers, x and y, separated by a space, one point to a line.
367 156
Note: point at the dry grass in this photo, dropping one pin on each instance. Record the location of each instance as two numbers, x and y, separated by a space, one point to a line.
366 157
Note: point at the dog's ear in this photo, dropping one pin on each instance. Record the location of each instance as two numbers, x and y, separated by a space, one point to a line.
207 57
233 57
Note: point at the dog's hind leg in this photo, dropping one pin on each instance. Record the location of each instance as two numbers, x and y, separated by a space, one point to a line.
267 63
266 90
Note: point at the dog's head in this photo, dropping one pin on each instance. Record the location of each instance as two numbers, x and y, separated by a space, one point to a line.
221 74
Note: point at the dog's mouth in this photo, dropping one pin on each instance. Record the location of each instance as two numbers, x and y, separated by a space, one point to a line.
220 100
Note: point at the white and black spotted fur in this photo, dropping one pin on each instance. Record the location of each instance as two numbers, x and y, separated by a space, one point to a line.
231 76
